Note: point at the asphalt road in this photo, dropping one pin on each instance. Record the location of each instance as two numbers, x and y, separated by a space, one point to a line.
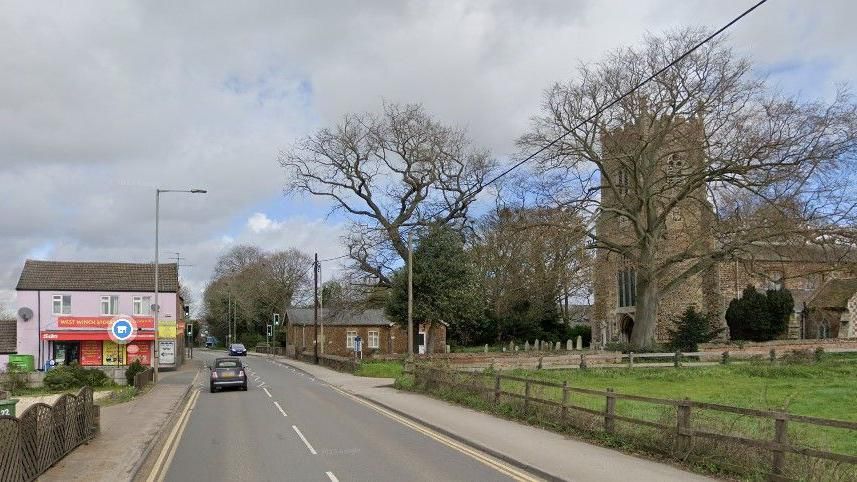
288 426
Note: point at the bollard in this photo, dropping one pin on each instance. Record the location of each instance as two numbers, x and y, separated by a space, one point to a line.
677 360
630 359
772 355
582 361
724 358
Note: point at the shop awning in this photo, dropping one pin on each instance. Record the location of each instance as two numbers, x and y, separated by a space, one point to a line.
77 335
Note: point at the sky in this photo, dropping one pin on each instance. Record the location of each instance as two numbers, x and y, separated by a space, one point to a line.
103 102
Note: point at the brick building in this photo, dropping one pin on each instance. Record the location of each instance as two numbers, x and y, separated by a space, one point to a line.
337 330
832 311
688 234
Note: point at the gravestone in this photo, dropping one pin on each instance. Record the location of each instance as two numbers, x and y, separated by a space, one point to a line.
579 342
486 348
447 349
569 345
538 345
556 347
527 345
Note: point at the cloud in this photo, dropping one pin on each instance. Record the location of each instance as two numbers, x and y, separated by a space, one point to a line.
100 103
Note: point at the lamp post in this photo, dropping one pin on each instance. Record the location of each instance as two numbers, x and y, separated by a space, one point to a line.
157 308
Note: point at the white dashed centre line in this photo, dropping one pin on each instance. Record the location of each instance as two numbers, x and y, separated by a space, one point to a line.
297 430
280 409
331 477
267 392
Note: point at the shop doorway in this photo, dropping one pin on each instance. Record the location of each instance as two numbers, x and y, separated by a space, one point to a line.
66 352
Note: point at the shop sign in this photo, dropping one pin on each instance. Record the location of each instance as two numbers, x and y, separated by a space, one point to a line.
113 354
146 322
139 351
167 329
90 352
168 352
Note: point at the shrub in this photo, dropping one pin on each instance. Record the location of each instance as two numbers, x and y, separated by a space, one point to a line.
691 329
133 369
74 376
759 316
15 380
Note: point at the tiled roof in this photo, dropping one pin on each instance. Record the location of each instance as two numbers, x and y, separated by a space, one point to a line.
87 276
346 317
835 294
8 336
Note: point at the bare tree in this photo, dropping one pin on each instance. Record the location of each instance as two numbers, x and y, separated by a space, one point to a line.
532 258
391 172
706 149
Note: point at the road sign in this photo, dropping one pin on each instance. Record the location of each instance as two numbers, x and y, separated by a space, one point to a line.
123 329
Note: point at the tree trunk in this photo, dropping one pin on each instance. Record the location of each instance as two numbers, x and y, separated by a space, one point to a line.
644 332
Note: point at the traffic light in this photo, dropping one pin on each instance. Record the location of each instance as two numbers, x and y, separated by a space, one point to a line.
190 329
186 310
269 330
276 319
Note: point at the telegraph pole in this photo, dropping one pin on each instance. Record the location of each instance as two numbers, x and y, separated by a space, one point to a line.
410 295
315 306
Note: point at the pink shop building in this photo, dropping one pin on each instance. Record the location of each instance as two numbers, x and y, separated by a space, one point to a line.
67 308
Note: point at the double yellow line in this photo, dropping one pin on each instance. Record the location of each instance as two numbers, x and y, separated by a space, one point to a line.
165 458
512 472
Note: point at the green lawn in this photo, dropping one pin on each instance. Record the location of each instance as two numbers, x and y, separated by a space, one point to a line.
825 389
380 369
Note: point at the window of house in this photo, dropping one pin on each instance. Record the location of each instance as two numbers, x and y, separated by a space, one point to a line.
627 279
373 338
62 304
142 305
622 181
824 330
774 280
809 282
674 167
110 305
349 339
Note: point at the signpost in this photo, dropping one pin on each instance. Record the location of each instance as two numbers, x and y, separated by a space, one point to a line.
358 347
276 323
190 337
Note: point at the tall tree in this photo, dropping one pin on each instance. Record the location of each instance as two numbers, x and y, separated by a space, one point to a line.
707 141
532 261
391 172
445 288
256 284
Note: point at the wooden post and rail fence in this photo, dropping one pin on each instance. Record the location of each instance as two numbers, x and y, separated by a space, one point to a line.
684 431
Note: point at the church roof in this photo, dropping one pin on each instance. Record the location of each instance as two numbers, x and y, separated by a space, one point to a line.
835 294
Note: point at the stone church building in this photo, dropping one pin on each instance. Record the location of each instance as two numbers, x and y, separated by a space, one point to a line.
803 270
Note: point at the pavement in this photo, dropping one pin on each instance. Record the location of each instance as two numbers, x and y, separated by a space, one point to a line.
546 454
128 431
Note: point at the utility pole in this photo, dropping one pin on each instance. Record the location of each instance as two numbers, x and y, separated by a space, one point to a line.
410 295
315 306
321 308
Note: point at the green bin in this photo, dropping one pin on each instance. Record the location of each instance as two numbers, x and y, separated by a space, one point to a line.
7 406
23 362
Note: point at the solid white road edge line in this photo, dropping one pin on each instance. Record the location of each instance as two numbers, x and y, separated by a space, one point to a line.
331 477
298 431
280 409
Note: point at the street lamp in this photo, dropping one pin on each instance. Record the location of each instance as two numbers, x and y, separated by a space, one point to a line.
157 307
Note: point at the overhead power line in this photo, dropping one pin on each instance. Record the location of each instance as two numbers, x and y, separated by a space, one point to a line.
621 97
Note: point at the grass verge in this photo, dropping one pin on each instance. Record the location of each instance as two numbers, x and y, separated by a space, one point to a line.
824 389
380 369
